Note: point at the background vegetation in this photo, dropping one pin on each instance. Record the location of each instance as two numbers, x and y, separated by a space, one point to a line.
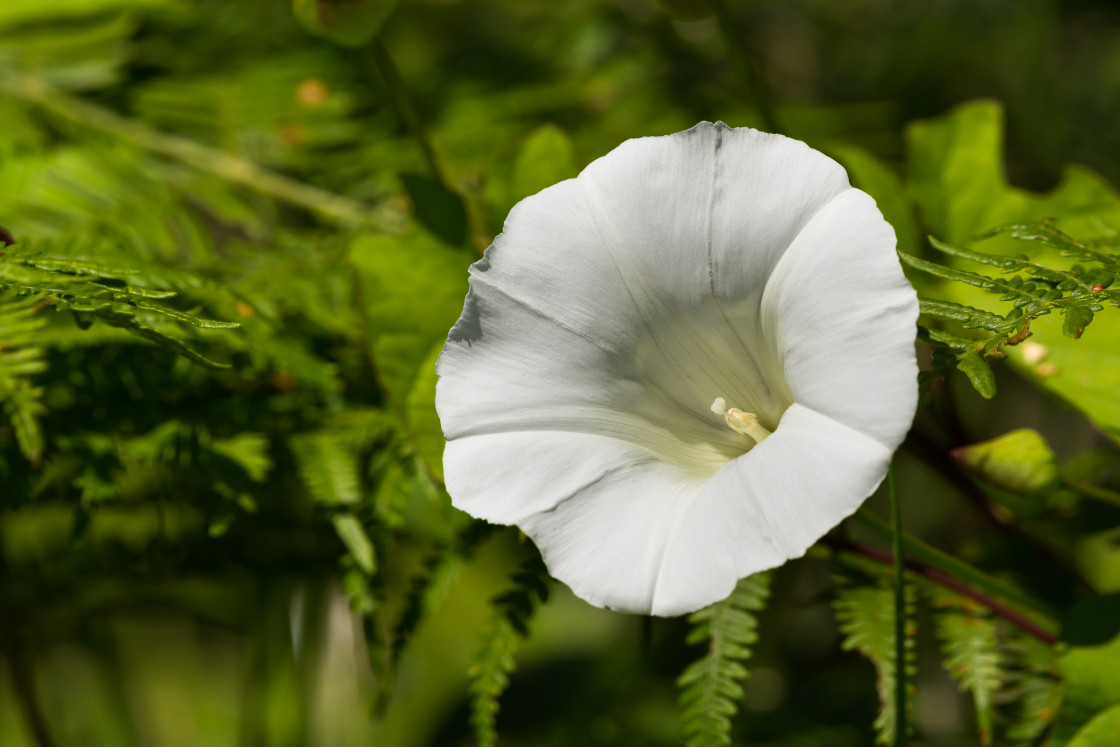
241 240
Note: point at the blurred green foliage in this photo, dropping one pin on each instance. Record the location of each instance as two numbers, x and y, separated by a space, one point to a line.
240 247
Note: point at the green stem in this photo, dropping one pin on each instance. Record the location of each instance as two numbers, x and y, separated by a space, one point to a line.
899 580
84 114
407 108
1104 495
954 567
480 239
845 552
747 63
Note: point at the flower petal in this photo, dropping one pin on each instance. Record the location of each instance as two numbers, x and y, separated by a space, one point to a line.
634 534
768 506
842 316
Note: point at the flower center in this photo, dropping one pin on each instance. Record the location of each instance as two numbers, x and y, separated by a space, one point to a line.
740 421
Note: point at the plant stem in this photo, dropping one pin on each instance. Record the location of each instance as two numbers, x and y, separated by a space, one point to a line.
951 567
952 583
900 719
407 108
747 64
84 114
1104 495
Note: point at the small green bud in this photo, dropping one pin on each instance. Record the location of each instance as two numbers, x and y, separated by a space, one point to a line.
349 23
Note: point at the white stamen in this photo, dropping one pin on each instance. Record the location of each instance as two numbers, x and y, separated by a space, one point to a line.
739 421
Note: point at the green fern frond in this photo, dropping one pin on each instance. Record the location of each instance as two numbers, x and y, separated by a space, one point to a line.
1031 694
710 687
494 661
1033 290
92 290
970 643
328 467
20 360
866 619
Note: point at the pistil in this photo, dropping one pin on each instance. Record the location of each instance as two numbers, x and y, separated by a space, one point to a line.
740 421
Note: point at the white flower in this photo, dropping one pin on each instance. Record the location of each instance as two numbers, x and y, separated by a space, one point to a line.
681 367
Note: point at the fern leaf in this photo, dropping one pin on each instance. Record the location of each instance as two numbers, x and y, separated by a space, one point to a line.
328 467
1031 692
866 619
710 687
20 360
970 643
494 660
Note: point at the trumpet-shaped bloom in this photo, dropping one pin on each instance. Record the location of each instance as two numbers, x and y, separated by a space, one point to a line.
681 367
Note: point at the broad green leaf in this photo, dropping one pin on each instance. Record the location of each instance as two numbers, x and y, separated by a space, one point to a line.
1091 686
955 176
1102 731
1098 559
437 208
546 157
1019 462
878 180
1092 621
420 414
414 286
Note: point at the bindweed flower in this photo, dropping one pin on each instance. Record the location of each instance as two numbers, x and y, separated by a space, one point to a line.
681 367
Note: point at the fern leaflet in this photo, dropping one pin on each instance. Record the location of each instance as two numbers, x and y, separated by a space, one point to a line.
710 687
866 619
969 639
494 660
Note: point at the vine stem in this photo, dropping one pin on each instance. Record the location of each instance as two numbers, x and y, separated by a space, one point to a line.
231 168
951 567
948 581
403 101
900 719
411 114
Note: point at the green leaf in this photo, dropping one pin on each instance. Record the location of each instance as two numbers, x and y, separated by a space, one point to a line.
414 287
866 619
971 647
710 688
421 417
1092 621
1102 731
14 12
885 186
979 373
349 23
357 542
437 208
955 175
21 359
493 661
1077 318
1019 462
547 157
1091 685
329 468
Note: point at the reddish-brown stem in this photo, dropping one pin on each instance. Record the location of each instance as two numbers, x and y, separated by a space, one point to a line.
941 578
